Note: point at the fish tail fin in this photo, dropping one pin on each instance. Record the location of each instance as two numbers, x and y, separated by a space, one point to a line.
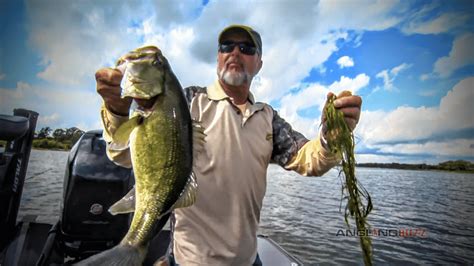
119 255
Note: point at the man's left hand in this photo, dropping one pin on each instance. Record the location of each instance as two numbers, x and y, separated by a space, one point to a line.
350 105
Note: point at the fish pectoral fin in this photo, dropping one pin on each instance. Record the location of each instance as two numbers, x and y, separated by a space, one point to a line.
188 196
199 138
125 204
122 134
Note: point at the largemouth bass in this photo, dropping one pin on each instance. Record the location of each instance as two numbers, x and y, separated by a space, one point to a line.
159 134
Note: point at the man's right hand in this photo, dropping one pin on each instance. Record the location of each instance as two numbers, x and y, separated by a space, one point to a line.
108 86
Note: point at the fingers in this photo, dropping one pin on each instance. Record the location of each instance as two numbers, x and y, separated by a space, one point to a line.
108 86
348 101
351 116
344 94
108 82
329 96
109 76
350 105
118 106
323 117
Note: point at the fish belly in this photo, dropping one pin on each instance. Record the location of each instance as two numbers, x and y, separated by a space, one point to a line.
159 158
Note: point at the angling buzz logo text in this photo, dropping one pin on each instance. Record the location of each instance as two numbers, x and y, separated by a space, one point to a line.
406 232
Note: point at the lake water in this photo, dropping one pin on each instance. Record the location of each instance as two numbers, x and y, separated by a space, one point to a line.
303 214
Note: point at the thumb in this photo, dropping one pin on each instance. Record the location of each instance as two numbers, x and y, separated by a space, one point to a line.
344 94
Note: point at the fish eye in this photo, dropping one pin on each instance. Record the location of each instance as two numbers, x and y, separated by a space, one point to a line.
157 62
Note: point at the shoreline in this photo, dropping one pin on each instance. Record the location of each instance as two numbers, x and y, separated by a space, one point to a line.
415 169
393 165
455 166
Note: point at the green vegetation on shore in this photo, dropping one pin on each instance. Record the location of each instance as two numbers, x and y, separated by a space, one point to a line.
64 139
455 166
58 139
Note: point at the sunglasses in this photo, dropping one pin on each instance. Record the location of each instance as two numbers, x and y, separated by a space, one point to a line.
244 47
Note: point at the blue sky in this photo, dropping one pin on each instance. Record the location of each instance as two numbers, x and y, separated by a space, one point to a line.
411 61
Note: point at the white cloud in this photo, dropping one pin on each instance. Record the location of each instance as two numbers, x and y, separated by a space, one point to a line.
402 158
359 15
57 107
450 148
382 158
168 14
12 98
314 96
176 45
301 56
428 93
75 39
345 61
348 84
407 124
49 119
461 54
305 39
421 24
316 27
389 76
427 76
3 76
396 70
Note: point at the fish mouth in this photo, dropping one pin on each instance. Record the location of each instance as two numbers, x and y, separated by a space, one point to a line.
147 52
146 104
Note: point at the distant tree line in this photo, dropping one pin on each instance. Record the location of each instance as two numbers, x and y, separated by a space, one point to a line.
457 165
60 139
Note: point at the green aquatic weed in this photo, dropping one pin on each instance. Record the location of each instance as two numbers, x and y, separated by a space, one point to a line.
341 141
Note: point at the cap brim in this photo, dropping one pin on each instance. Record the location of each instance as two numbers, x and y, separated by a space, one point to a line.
244 28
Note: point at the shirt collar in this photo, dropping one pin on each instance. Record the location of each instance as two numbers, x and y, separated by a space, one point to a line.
216 92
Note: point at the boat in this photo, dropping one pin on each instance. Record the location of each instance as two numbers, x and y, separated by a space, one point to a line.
92 183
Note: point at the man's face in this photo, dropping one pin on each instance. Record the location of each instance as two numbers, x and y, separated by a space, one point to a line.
236 68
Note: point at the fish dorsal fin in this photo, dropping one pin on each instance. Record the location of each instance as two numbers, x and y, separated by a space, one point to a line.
188 196
125 204
122 134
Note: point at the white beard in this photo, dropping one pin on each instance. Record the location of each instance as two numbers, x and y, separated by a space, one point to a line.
234 78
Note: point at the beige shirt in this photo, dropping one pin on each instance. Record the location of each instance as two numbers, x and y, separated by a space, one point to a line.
221 227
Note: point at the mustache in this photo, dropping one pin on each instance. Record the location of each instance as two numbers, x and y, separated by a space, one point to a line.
233 61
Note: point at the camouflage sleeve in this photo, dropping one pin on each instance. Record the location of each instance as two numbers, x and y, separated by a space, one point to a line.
294 152
286 141
191 91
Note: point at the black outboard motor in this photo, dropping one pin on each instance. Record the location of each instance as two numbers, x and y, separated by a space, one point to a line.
92 183
18 130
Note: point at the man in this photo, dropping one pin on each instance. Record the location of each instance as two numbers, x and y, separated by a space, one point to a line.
242 138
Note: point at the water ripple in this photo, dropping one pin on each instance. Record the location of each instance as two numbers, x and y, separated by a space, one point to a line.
438 203
305 214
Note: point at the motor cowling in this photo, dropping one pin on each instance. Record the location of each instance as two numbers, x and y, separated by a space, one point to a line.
92 183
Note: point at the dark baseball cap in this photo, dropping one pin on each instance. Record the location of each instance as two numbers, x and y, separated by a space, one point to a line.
255 36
